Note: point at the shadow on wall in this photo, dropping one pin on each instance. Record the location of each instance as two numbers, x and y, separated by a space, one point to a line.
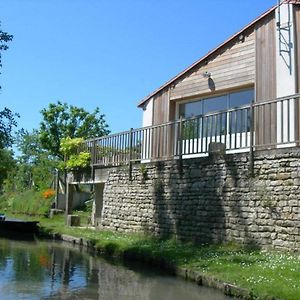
199 202
188 202
240 217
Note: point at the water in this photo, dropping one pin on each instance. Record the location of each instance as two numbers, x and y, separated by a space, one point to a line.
52 270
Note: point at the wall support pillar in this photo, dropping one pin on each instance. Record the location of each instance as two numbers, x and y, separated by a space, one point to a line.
98 203
69 200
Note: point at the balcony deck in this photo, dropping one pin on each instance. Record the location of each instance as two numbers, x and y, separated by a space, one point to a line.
264 125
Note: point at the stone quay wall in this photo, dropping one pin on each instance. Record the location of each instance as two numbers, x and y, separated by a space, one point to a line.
210 199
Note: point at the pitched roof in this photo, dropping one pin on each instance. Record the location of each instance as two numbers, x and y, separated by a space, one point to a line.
205 57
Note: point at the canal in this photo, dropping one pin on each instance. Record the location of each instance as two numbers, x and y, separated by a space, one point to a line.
56 270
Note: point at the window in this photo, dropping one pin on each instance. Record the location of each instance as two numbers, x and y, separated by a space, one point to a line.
239 99
214 104
188 110
227 122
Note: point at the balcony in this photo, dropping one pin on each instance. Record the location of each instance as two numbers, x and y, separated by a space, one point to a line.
261 125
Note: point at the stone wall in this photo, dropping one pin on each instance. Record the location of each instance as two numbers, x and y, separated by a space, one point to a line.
210 199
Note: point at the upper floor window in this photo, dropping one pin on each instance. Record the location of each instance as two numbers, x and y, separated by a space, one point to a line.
217 103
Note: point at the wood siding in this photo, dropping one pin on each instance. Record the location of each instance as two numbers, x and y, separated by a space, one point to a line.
265 59
163 137
161 108
230 67
265 83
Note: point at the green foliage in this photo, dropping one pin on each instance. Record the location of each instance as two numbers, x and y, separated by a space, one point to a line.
7 165
7 124
144 172
4 39
78 161
7 117
29 146
34 167
61 120
69 146
189 130
73 159
29 202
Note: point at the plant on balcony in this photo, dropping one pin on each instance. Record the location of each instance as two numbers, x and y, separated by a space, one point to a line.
74 158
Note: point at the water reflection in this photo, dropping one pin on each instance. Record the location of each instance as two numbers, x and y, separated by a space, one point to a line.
48 270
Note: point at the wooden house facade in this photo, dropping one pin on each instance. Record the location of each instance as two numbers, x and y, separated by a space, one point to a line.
244 95
255 66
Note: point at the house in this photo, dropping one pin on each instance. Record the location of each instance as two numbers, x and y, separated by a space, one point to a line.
244 95
249 78
241 97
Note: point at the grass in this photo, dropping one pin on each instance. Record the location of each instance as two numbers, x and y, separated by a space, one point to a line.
29 202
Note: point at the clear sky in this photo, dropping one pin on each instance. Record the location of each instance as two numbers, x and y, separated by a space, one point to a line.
108 53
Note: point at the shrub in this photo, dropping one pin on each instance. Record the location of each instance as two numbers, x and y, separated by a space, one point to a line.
48 193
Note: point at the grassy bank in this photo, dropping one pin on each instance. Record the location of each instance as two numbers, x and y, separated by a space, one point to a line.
267 274
29 202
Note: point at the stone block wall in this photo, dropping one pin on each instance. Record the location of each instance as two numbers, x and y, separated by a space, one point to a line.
210 199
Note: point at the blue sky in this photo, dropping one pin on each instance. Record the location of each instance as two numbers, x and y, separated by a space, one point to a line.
109 54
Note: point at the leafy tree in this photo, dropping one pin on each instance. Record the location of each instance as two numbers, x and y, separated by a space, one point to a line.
61 120
7 123
4 39
33 167
7 117
7 165
35 164
29 145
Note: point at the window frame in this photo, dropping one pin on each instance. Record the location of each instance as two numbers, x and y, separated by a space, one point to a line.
211 96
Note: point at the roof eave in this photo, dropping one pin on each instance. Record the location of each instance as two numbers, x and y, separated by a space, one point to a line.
144 100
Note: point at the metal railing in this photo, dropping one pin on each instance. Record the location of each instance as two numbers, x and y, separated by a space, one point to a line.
265 125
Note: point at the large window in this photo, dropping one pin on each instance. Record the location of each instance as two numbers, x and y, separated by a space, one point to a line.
214 104
218 116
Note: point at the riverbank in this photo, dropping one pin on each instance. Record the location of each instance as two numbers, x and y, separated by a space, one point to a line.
238 271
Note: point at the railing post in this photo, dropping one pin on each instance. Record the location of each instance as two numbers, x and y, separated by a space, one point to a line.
130 153
251 153
93 160
180 132
56 188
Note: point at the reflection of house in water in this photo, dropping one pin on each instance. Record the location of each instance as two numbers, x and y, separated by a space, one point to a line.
81 276
46 270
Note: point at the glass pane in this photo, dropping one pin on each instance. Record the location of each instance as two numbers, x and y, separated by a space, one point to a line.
214 125
241 98
239 120
188 110
215 104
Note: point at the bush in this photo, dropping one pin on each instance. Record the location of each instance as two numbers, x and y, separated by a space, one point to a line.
29 202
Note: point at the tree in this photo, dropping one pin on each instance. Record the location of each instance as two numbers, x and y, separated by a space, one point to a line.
7 123
61 120
7 118
4 39
29 146
35 165
7 164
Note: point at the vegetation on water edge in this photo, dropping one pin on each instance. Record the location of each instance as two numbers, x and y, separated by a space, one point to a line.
267 274
31 202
